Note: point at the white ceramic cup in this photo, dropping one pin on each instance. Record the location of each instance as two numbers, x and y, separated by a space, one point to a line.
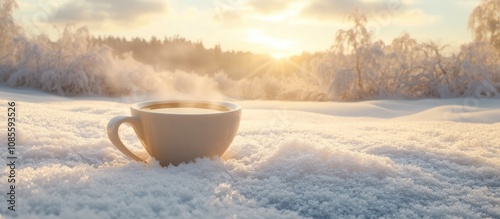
174 132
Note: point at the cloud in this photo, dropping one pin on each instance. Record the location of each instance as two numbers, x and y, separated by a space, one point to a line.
385 12
326 9
229 18
380 13
270 6
414 17
119 11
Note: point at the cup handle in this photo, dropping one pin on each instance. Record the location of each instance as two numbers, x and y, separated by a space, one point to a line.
112 130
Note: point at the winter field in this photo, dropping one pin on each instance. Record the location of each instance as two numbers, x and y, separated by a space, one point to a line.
428 158
416 136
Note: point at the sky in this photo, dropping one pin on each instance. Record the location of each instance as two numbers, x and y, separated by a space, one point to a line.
276 27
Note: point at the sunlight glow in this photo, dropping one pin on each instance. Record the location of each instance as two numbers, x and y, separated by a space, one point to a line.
276 46
280 56
260 37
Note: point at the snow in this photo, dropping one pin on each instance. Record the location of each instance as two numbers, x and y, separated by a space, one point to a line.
429 158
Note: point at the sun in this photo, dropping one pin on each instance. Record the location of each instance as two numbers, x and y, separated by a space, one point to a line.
280 56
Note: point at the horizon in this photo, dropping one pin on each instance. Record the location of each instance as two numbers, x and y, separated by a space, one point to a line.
277 28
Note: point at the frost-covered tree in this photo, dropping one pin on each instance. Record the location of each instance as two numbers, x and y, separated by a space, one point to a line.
484 22
354 41
8 31
7 24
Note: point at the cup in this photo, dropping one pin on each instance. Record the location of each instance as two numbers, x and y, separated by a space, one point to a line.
176 131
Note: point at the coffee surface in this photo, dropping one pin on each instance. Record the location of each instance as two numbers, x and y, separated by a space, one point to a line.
184 110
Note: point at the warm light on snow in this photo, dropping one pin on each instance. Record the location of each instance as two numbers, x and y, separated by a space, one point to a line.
382 158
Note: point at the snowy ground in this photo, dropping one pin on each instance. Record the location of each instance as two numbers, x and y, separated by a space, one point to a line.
387 158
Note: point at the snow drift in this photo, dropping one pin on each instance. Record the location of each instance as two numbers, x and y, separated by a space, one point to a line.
392 159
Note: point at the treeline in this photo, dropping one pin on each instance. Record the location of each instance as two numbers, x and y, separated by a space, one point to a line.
178 53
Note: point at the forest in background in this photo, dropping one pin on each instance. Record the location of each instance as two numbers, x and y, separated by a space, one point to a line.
178 53
356 67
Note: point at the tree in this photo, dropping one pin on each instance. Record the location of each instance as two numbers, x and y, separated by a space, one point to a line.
9 30
357 45
11 39
484 22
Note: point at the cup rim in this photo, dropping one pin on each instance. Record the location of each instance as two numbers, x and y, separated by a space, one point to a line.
232 107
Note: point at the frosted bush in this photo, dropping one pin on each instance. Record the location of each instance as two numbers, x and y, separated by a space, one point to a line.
73 66
357 68
479 71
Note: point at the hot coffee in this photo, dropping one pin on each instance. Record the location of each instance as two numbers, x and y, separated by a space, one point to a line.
179 131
